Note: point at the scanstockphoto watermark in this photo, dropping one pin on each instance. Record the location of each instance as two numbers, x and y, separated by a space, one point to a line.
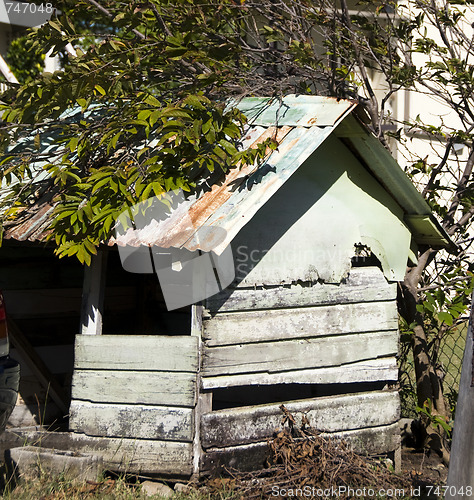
151 236
185 277
347 491
247 257
27 14
344 492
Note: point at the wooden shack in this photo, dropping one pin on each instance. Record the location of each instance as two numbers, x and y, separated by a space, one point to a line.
320 234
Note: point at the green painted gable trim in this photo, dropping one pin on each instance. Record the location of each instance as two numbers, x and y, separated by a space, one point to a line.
427 230
418 215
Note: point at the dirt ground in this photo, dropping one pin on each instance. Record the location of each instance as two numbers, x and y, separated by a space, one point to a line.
426 467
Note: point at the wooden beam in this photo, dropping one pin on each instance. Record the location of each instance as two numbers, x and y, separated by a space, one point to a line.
237 426
203 402
93 294
132 421
196 320
176 353
37 366
133 387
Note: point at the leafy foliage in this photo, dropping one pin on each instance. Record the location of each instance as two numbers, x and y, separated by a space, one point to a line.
437 421
130 118
25 62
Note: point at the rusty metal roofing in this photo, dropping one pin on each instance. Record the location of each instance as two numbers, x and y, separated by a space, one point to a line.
299 124
31 225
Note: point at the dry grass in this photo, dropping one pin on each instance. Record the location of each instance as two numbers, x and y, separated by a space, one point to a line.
48 487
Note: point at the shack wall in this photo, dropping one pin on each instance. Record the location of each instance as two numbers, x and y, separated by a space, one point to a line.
325 351
139 392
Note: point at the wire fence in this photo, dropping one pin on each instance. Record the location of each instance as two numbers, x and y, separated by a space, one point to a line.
450 363
448 367
448 354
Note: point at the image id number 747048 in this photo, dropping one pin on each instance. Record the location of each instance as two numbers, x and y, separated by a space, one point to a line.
28 8
453 491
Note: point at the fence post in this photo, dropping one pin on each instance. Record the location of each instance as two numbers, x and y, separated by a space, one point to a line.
461 466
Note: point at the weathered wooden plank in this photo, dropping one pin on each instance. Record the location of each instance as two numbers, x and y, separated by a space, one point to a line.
298 354
132 421
196 320
155 388
140 456
121 455
137 352
259 326
364 284
327 414
372 441
363 371
201 400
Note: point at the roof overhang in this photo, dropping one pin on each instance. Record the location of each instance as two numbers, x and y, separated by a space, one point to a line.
300 124
424 226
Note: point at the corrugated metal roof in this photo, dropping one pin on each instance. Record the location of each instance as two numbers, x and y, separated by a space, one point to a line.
210 221
33 225
298 124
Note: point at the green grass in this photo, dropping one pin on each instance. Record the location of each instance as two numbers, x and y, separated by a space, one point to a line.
49 487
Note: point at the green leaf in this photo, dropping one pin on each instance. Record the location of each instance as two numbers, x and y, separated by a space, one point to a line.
82 103
56 26
119 16
211 134
152 101
175 113
196 101
37 141
144 114
73 143
155 115
115 138
446 318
